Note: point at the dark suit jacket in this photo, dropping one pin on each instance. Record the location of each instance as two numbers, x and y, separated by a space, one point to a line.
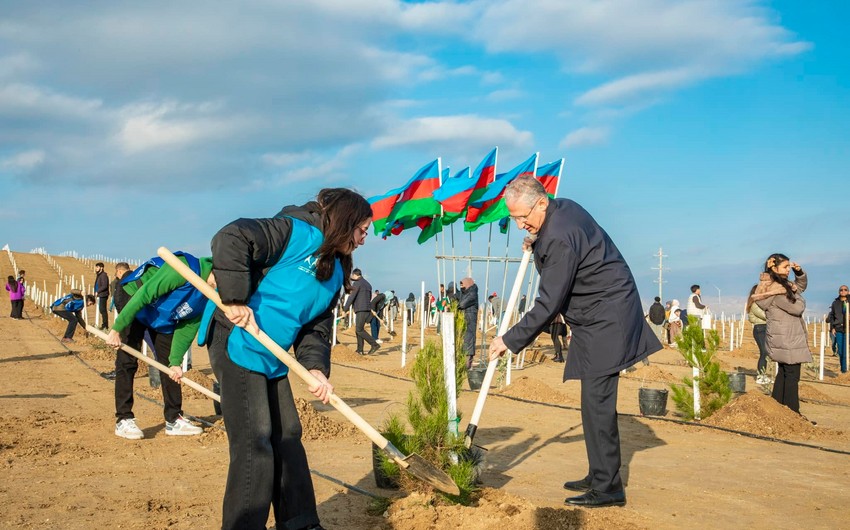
360 296
584 277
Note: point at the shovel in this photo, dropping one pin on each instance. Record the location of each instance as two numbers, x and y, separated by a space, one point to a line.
156 364
392 333
413 464
491 367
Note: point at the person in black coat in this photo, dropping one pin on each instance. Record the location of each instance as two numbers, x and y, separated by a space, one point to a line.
468 303
101 287
360 300
584 277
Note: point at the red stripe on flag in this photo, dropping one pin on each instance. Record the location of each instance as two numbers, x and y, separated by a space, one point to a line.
550 183
382 208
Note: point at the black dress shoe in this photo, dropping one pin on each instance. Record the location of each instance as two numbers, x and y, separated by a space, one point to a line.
374 348
597 499
578 485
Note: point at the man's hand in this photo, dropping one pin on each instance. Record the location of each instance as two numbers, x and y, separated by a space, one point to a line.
176 373
242 316
324 389
527 242
114 339
497 348
833 332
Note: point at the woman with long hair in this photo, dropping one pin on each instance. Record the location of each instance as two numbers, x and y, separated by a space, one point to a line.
284 275
17 290
757 318
786 338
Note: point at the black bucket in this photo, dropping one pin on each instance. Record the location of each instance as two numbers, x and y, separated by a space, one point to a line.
652 402
738 382
475 376
382 480
216 404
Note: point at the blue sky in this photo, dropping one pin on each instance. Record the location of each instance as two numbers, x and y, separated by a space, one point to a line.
716 130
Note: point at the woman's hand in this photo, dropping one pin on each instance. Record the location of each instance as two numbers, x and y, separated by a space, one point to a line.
242 316
324 389
176 373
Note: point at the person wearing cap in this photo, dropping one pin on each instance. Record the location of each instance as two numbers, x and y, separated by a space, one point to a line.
584 277
468 303
360 300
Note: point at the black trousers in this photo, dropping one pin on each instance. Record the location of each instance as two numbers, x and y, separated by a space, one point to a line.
361 318
558 330
104 314
17 309
73 320
268 463
125 372
601 432
786 388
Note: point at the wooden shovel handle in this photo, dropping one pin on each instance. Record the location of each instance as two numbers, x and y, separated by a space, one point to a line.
284 357
491 367
158 365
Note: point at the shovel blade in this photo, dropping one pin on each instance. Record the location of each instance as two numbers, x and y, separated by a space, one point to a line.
428 472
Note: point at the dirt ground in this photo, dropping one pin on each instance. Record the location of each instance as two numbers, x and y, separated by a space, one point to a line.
61 466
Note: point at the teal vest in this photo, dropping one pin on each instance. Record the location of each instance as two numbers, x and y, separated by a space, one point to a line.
288 297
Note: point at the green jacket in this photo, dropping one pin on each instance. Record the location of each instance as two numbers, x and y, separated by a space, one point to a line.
157 282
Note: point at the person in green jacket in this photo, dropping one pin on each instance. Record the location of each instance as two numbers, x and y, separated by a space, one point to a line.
156 299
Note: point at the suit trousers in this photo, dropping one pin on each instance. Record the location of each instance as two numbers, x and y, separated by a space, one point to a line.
601 431
361 318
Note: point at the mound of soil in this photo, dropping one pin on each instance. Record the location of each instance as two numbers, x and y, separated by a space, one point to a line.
652 373
760 414
343 354
315 426
535 390
214 434
812 393
496 510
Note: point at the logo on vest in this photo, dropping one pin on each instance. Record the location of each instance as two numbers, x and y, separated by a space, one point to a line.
309 265
183 310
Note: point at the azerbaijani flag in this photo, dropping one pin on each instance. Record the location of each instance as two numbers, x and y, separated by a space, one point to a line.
490 206
416 199
549 175
382 205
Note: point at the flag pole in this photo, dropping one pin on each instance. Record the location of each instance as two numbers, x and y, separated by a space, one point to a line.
454 263
486 296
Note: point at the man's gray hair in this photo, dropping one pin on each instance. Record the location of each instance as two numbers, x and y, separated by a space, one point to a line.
525 189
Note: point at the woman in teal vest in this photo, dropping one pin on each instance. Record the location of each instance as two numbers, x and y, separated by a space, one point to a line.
284 275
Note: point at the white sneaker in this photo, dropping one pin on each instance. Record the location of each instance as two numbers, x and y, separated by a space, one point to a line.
182 427
128 429
379 341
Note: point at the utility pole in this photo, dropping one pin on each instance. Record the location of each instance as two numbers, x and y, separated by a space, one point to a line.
660 269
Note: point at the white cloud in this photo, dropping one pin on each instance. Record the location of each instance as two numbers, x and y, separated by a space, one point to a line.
19 98
637 87
586 136
654 44
504 95
24 161
149 126
447 130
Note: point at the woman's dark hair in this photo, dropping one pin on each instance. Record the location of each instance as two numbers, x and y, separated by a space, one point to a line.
342 211
12 283
90 299
773 261
750 298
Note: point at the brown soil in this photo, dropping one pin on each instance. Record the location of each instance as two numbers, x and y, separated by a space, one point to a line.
525 387
809 392
760 414
652 373
62 467
496 510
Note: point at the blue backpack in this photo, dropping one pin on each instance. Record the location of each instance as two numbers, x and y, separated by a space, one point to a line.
183 303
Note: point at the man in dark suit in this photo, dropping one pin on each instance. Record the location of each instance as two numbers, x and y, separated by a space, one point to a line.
360 300
585 278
